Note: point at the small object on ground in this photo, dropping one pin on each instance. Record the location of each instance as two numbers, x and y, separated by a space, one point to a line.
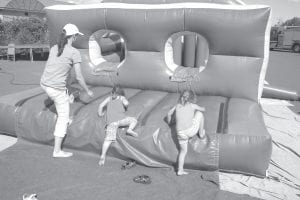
209 179
30 197
128 165
144 179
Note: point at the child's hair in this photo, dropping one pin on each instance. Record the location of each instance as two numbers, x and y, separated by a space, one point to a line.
192 96
62 41
118 91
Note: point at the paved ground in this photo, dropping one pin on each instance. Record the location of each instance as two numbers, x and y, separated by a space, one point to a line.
19 75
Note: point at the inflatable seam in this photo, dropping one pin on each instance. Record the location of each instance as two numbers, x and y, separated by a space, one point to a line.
105 18
222 122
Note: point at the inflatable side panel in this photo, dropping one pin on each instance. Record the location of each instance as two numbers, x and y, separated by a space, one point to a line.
7 119
29 116
230 76
247 134
145 29
87 22
143 70
245 117
231 31
224 75
9 107
245 154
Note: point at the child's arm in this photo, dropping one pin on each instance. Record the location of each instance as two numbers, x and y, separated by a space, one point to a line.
199 108
170 113
102 105
125 102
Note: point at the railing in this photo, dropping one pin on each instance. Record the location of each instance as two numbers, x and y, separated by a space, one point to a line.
11 49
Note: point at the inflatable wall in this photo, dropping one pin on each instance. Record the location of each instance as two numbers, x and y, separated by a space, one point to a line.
219 51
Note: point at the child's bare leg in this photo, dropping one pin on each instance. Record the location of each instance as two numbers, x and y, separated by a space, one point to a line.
200 120
132 125
181 158
201 131
105 147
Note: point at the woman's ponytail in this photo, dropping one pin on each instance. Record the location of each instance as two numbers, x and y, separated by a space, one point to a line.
62 41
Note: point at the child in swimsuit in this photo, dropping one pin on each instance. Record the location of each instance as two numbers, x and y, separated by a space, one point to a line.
189 122
116 105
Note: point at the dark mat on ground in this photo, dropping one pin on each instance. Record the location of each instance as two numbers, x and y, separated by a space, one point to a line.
29 168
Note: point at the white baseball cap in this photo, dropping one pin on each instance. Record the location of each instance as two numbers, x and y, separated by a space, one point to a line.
71 29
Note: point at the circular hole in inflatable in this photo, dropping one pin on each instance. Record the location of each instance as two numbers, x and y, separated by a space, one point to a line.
186 49
106 50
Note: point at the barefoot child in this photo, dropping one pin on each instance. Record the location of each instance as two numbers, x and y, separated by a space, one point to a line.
116 105
189 122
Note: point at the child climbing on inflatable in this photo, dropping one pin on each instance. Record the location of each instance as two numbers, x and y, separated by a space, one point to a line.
189 122
115 105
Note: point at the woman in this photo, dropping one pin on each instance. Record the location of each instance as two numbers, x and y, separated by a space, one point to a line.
61 59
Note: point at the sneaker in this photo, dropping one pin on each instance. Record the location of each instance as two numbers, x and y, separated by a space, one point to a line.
62 154
180 173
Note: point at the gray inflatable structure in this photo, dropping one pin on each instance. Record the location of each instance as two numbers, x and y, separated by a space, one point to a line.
219 50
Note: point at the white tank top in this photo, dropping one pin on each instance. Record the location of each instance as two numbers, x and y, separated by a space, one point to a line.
184 116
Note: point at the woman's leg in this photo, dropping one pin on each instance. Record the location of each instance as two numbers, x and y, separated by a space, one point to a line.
181 157
61 101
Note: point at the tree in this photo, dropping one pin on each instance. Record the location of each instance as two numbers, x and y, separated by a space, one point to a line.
27 30
292 22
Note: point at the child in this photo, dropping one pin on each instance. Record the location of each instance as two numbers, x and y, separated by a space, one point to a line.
116 105
189 122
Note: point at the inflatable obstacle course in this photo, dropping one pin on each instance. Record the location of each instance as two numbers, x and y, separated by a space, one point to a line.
229 87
